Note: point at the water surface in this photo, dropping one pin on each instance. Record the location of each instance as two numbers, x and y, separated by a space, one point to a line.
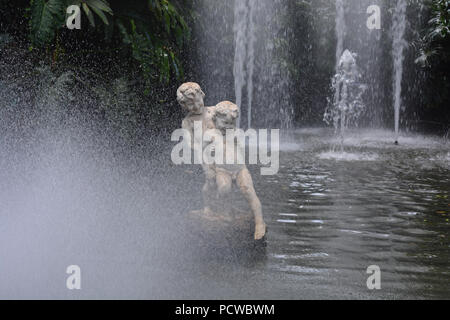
330 216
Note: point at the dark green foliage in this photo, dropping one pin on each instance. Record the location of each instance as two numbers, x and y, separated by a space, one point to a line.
98 6
46 17
440 21
437 32
434 55
153 30
155 46
148 43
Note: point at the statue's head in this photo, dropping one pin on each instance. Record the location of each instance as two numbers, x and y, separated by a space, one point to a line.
225 116
190 97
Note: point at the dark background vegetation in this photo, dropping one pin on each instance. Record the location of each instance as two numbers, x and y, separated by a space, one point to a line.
141 51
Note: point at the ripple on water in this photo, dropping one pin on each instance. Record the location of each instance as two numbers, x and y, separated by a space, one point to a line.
300 269
346 156
333 214
286 221
301 256
291 147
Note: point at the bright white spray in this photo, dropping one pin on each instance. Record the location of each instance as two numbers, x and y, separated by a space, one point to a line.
340 34
244 58
398 47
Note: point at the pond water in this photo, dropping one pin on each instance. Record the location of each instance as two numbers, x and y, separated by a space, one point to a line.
330 216
334 215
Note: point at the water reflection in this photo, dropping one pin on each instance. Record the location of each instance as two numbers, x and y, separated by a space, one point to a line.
328 220
335 214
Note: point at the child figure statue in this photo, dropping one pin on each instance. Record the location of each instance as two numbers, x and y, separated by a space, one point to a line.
190 96
225 117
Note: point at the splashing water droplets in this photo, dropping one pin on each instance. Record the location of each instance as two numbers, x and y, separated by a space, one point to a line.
348 104
398 31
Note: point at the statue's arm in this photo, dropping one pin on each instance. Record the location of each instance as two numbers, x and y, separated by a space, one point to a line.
186 125
208 125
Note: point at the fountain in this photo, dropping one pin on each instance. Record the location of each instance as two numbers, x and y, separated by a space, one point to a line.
245 58
340 30
347 105
244 25
340 34
351 32
398 47
86 177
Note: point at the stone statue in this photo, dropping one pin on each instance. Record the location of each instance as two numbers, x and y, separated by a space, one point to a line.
225 117
218 177
190 97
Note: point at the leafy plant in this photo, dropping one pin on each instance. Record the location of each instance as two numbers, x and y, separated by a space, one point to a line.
47 16
153 30
151 55
439 29
99 7
440 21
155 36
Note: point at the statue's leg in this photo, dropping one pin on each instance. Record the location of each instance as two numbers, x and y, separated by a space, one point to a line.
245 183
224 183
209 188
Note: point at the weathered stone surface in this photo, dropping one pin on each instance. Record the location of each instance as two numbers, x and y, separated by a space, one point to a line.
219 178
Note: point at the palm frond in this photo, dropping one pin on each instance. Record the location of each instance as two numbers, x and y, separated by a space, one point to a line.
46 17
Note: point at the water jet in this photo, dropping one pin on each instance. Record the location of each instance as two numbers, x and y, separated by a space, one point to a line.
398 47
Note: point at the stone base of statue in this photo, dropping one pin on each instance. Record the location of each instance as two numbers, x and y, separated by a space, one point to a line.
219 221
229 225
